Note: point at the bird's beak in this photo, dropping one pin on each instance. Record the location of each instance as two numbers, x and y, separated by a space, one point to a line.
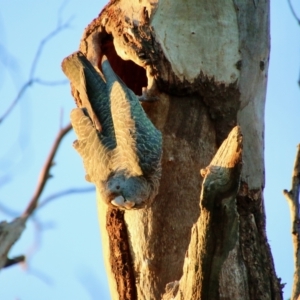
120 202
129 204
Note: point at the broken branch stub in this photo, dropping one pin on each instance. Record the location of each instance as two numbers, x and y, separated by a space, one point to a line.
215 236
9 234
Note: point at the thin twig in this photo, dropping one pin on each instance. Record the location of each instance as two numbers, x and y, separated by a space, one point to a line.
298 21
11 232
60 11
14 214
25 87
8 211
38 228
49 83
45 173
52 34
293 11
65 193
60 27
19 95
292 198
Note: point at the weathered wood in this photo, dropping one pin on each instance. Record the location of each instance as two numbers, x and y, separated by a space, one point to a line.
9 234
213 257
207 64
292 198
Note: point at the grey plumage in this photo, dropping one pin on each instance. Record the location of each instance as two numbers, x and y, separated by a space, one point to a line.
120 147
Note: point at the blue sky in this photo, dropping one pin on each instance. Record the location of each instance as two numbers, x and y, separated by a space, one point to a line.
63 243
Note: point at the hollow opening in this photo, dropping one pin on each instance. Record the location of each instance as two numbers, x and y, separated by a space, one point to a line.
133 75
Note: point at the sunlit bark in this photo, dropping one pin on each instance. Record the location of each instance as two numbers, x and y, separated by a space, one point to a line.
206 62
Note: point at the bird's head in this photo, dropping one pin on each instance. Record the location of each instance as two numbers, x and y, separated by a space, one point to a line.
127 192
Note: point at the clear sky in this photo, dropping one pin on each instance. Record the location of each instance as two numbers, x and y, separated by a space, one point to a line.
63 241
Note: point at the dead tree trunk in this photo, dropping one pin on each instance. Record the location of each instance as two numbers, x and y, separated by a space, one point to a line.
206 62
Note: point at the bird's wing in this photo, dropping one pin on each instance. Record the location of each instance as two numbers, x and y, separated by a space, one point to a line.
139 143
95 156
93 93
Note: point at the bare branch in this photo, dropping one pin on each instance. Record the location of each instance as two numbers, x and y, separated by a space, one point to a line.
9 234
44 41
13 213
60 27
45 173
293 12
292 198
49 83
8 211
13 261
65 193
25 87
41 276
60 10
19 96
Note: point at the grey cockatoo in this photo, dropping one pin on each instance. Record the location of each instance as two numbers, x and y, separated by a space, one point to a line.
120 147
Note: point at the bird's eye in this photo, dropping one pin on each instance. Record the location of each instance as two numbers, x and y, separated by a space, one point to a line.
117 187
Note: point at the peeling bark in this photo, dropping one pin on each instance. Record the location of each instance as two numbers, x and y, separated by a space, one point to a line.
207 64
120 257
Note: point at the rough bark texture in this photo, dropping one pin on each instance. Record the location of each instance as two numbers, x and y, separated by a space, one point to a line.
292 198
120 257
206 62
9 234
207 276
